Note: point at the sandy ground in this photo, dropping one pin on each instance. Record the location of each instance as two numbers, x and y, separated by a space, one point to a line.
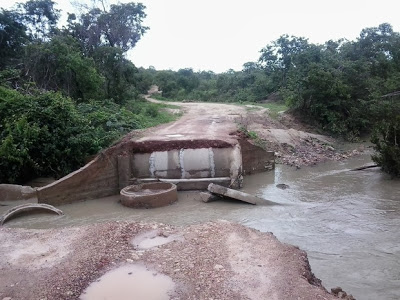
218 260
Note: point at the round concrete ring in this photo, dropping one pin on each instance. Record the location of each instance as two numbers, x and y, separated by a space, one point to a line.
157 194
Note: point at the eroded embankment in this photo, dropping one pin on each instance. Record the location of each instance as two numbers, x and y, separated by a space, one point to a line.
218 260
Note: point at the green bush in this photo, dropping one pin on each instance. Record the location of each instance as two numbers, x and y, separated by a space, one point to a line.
386 138
41 135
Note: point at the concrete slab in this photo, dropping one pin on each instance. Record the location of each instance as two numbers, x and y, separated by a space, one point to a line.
236 195
188 184
227 192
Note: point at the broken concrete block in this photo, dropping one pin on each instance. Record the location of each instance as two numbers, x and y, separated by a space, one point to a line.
226 192
208 197
11 192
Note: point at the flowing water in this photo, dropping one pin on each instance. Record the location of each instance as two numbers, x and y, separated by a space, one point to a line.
348 222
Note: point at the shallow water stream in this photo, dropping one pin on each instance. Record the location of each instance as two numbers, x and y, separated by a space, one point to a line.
348 222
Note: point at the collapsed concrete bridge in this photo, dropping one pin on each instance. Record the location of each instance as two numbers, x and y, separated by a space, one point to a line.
200 148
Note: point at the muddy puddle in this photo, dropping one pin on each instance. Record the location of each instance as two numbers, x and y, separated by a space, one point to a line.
348 222
130 282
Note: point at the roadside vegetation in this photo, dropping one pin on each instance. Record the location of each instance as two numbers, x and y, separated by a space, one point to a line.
68 92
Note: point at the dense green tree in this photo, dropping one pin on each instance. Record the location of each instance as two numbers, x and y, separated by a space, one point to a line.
54 85
119 73
120 26
277 58
60 66
40 18
12 37
386 135
41 135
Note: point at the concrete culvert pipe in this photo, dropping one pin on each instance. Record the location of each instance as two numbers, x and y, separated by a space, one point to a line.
149 195
27 207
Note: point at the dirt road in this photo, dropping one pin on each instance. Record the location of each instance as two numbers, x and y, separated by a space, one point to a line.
218 260
200 121
285 135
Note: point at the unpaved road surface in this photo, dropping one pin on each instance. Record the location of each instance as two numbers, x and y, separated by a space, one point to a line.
209 121
218 260
284 135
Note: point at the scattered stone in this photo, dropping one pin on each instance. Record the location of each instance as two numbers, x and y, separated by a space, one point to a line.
330 148
336 290
282 186
218 267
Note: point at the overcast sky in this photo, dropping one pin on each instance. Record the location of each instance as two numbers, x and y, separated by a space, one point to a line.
221 34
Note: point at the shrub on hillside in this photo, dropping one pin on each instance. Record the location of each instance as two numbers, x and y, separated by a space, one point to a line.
387 145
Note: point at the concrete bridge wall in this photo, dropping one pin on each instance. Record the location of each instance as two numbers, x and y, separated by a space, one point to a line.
255 158
97 179
112 170
108 173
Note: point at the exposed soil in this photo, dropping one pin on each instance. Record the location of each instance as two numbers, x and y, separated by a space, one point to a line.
294 142
218 260
151 146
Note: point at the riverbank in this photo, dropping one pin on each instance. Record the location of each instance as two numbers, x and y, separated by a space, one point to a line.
215 260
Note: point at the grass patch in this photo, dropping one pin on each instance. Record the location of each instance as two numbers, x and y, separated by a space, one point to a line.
165 105
151 114
274 108
161 98
253 136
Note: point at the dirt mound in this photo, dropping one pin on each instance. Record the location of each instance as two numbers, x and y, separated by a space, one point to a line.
294 143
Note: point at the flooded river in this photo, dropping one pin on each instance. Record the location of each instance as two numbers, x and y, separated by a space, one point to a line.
348 222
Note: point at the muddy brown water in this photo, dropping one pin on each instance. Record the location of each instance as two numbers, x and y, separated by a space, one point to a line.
130 282
348 222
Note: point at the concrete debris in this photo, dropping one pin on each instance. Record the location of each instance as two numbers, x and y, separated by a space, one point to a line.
12 192
208 197
27 207
236 195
